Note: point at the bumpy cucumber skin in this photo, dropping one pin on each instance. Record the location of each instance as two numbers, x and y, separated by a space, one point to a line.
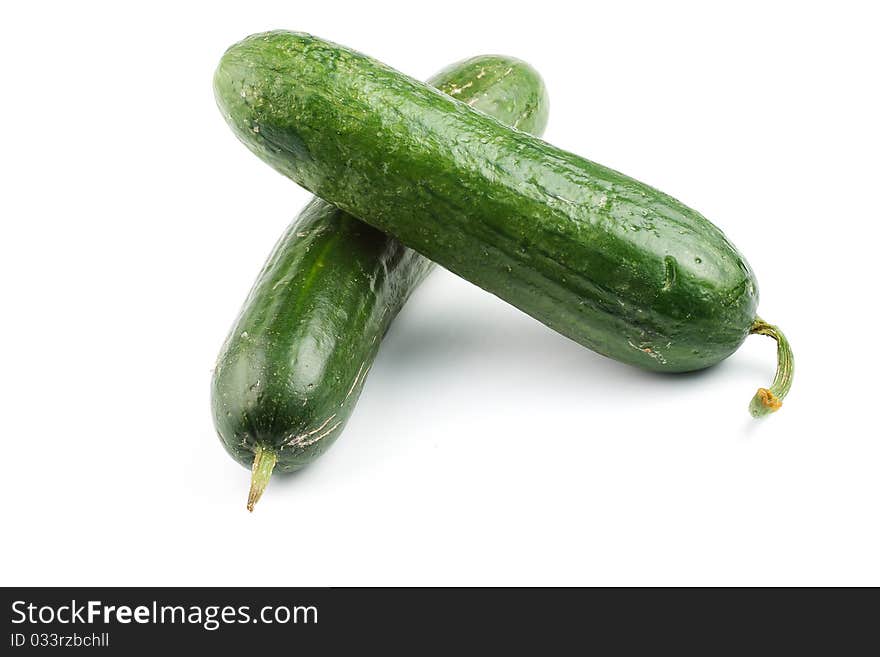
293 366
608 261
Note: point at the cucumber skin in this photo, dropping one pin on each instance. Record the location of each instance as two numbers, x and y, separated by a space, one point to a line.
608 261
293 365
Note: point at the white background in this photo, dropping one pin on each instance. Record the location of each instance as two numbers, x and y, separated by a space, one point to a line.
486 449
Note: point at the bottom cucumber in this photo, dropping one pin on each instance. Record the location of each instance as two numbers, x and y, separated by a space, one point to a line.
294 364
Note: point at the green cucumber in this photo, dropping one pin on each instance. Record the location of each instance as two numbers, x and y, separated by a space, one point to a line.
608 261
293 366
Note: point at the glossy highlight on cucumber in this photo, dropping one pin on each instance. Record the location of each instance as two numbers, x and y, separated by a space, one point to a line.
606 260
295 362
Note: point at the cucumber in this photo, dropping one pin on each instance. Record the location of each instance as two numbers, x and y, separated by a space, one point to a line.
293 366
607 261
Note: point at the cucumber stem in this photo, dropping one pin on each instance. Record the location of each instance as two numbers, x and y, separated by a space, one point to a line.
769 400
264 462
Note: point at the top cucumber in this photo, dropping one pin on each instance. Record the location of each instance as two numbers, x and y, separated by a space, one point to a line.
608 261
